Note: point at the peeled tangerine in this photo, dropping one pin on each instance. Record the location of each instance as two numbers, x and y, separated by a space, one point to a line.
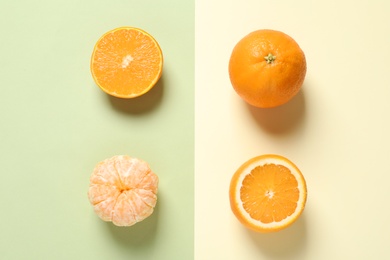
123 190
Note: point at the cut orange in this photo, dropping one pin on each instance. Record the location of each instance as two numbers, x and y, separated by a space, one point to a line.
126 62
123 190
267 193
267 68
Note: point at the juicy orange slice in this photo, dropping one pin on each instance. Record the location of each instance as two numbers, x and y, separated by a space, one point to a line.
123 190
267 193
126 62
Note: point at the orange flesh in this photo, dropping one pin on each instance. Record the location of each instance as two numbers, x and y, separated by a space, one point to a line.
269 193
123 190
126 62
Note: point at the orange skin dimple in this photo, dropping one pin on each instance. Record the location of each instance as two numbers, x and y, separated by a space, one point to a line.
123 190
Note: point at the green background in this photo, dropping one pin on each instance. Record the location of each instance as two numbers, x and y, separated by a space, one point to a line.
56 125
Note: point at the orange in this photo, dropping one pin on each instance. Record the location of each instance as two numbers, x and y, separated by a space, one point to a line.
267 68
126 62
123 190
267 193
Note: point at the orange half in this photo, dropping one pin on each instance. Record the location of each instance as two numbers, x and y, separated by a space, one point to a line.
268 193
126 62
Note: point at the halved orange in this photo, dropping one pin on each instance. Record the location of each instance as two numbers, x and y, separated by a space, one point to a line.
123 190
267 193
126 62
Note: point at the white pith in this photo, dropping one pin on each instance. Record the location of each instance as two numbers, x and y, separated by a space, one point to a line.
126 61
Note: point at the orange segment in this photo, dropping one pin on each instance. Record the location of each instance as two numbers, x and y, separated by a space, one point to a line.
126 62
123 190
267 193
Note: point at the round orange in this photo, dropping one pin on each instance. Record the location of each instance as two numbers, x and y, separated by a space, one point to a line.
126 62
123 190
267 193
267 68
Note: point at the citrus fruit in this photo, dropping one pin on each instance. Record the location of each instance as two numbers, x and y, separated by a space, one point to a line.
267 193
126 62
267 68
123 190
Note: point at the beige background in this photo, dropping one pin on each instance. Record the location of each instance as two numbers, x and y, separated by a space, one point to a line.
336 129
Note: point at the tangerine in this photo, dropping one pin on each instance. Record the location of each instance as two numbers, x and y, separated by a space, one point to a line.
123 190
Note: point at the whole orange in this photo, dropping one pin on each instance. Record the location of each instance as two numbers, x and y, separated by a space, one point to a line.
267 68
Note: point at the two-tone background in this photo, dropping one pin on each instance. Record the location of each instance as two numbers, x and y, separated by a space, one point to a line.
194 131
